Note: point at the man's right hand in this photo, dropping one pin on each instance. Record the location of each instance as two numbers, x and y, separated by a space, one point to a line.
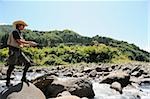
31 43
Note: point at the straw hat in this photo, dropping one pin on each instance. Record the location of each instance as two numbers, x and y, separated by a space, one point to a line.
19 22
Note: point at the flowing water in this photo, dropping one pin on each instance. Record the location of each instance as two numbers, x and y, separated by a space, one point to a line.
102 91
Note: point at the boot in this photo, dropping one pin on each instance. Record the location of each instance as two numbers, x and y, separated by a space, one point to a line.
9 71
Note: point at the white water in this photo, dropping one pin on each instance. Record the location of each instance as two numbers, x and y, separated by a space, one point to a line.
102 91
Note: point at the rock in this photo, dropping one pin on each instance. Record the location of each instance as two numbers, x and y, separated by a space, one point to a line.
38 70
60 67
43 81
45 70
145 81
102 74
1 76
4 71
116 86
134 79
87 70
31 70
126 69
78 75
68 97
76 86
68 74
53 90
93 73
113 67
23 91
135 69
104 90
64 93
100 69
137 73
117 76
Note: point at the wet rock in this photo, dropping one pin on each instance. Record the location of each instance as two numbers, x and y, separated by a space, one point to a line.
60 67
43 81
64 93
45 70
68 97
102 74
31 70
126 69
87 70
145 81
137 73
68 74
38 70
137 68
93 73
113 67
116 86
76 86
53 90
4 71
100 69
104 90
1 76
145 76
117 76
78 75
23 91
134 79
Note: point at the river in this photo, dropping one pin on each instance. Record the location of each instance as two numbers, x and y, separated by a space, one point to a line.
102 91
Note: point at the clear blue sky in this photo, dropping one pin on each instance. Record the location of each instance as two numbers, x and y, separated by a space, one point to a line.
125 20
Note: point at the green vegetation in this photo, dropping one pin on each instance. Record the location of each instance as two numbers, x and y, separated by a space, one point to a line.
71 54
65 47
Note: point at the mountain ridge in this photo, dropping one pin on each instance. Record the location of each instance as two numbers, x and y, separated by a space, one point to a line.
69 37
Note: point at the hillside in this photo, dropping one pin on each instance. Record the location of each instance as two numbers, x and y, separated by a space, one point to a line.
71 38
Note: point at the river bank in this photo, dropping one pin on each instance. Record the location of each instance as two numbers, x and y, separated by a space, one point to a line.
108 81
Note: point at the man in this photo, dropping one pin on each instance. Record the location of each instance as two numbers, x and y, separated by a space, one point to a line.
15 42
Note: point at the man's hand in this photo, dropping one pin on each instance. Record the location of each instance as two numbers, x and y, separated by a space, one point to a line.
31 43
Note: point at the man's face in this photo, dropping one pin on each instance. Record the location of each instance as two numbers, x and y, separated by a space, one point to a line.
21 27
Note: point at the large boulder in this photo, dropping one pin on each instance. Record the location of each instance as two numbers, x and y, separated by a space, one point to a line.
76 86
116 86
43 81
117 76
23 91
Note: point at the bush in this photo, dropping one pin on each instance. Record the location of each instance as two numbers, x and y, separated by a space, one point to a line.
62 54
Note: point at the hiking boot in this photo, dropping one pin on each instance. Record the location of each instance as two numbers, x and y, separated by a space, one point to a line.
25 80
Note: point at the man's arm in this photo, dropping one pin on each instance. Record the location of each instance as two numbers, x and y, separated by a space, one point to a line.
26 43
22 42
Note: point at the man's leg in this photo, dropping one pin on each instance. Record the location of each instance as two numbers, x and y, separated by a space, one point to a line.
9 71
25 72
27 64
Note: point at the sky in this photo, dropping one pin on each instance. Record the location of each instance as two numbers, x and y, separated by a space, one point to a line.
127 20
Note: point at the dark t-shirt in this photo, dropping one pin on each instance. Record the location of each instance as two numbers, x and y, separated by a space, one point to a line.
16 34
